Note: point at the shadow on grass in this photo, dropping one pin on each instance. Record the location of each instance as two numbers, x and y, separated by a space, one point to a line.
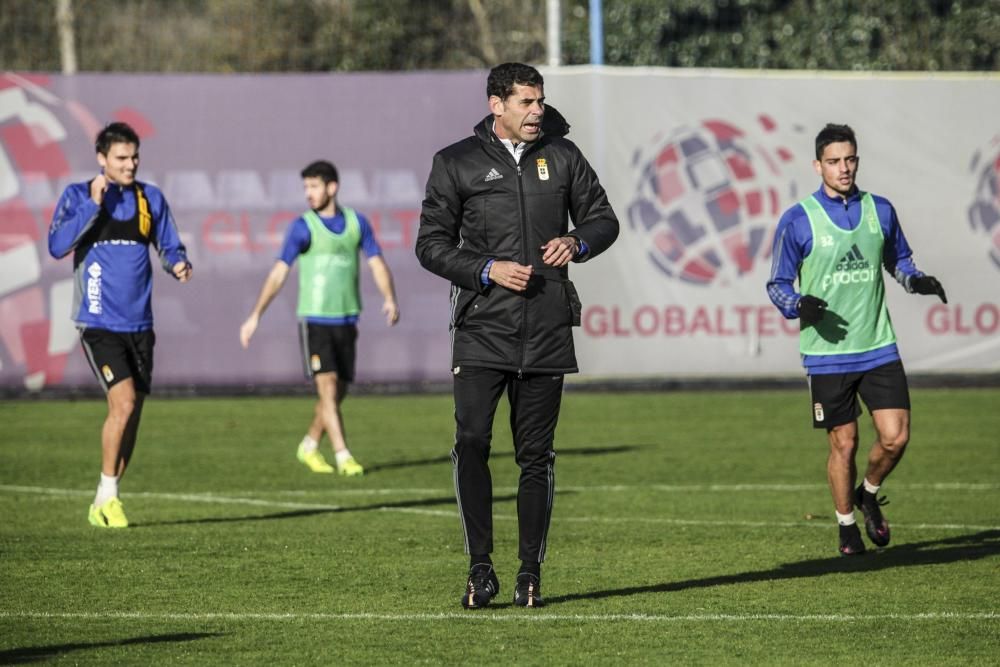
970 547
560 452
20 656
313 511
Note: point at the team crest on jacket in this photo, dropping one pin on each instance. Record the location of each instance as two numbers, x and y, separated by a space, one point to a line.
543 169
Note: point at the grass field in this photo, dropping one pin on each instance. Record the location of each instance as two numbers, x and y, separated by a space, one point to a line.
688 528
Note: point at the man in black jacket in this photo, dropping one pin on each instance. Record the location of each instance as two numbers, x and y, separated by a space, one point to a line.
495 222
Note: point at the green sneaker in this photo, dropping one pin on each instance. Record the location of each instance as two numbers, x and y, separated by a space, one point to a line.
314 460
350 468
109 515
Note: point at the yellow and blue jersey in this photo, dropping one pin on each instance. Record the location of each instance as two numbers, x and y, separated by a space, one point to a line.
113 276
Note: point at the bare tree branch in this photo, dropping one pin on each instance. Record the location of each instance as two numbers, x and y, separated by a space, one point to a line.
483 23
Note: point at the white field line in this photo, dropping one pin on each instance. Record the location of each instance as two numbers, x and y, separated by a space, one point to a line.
513 617
607 488
670 488
617 520
452 513
187 497
754 488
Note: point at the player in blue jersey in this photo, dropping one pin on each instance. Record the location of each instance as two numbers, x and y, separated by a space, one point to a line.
835 243
326 239
108 224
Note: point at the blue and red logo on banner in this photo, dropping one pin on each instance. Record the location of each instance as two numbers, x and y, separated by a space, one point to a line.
709 197
984 212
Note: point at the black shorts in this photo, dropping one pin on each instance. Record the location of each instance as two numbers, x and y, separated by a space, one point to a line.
835 396
115 356
328 348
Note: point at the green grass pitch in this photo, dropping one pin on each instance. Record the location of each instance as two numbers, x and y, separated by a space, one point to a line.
689 527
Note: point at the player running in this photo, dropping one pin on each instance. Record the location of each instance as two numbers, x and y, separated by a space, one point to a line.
833 243
108 224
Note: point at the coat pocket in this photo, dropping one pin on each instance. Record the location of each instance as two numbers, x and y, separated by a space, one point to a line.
460 302
575 307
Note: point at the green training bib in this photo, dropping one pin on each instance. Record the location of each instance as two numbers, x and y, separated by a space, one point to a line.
328 271
845 270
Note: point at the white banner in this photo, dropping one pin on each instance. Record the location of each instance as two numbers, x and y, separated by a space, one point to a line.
699 166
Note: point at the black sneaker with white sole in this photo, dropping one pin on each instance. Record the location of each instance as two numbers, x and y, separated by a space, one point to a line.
482 586
528 591
876 526
850 541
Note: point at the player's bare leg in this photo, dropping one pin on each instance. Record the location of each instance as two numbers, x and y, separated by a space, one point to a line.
841 471
892 430
316 426
120 427
332 391
118 437
131 434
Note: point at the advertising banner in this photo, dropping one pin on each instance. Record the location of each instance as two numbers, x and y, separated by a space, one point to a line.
227 152
699 166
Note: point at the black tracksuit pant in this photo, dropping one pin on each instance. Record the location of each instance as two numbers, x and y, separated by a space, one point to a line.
534 411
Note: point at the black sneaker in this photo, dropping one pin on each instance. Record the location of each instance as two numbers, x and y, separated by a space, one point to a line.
875 524
528 591
850 541
482 586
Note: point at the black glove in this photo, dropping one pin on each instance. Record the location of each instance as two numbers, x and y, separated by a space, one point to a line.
928 285
811 309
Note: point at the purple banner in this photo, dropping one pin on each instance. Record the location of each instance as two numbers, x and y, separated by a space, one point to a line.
227 151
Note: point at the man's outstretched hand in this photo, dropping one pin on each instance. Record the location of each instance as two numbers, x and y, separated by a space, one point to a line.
929 285
811 309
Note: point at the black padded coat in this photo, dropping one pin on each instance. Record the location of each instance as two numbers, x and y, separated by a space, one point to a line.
481 205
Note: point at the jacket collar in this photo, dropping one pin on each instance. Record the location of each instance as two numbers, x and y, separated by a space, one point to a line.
854 196
553 125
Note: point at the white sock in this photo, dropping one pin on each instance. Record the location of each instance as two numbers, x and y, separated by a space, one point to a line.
845 519
342 456
871 488
308 445
106 490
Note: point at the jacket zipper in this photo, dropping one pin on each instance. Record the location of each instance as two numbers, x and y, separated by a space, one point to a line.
524 253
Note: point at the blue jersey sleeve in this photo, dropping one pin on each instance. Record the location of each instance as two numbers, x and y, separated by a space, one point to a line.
792 243
897 256
167 239
297 241
74 215
369 244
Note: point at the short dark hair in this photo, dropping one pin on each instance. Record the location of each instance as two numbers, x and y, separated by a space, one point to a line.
504 77
833 134
321 169
115 133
